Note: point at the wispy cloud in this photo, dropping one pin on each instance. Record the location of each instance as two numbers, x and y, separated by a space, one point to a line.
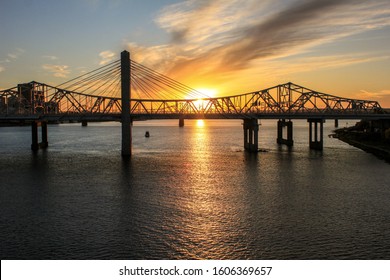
364 94
11 57
106 57
60 71
50 57
208 23
216 37
82 69
16 54
311 63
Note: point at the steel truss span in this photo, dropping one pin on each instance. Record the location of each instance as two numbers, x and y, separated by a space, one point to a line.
125 90
96 96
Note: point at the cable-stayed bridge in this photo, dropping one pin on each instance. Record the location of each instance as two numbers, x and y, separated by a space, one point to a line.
125 90
97 94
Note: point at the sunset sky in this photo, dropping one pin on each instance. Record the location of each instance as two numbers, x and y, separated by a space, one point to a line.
341 47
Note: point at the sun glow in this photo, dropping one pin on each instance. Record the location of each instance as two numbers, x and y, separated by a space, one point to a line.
199 101
199 104
200 123
207 91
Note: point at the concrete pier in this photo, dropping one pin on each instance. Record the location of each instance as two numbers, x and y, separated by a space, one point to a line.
336 123
35 144
316 135
34 134
251 135
181 122
44 143
289 140
84 123
125 95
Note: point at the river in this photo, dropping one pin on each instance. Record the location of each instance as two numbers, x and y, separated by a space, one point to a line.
190 193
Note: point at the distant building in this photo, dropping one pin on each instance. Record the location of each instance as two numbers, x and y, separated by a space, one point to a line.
28 98
32 97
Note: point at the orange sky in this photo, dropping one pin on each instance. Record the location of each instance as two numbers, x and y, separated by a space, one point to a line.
337 47
340 47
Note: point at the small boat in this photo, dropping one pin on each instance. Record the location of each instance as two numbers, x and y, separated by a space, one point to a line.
147 134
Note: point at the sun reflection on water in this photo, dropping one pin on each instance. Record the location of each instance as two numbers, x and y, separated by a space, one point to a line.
200 123
204 232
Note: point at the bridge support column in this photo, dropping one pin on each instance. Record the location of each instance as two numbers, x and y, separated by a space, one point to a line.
181 122
318 142
289 125
44 143
125 95
35 145
34 134
84 123
251 135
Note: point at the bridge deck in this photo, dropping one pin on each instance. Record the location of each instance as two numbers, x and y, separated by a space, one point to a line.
136 117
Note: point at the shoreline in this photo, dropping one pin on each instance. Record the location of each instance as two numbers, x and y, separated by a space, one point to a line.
364 141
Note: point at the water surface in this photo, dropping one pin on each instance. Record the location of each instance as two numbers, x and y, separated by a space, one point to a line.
190 193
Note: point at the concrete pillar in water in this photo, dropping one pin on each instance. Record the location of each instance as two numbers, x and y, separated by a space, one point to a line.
34 136
35 145
318 142
289 125
336 122
125 95
84 123
251 135
44 143
181 122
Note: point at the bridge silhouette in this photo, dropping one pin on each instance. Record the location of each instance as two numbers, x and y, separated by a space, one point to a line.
127 91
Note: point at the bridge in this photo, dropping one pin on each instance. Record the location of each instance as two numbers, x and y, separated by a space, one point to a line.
127 91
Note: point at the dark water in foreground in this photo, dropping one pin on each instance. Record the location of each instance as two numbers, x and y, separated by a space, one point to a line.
190 193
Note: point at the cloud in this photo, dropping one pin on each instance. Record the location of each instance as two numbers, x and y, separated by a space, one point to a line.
50 57
16 54
106 57
218 37
364 94
12 55
60 71
2 69
206 21
311 63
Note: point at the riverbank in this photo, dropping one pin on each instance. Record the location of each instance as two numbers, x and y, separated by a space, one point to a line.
371 142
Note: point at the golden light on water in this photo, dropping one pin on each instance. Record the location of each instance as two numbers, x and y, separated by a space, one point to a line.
200 123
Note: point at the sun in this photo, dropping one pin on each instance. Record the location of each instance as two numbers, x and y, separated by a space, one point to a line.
207 91
202 93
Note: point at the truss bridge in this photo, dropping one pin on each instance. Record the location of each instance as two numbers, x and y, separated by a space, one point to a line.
127 91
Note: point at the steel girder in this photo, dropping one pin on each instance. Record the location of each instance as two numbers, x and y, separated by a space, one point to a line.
285 99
